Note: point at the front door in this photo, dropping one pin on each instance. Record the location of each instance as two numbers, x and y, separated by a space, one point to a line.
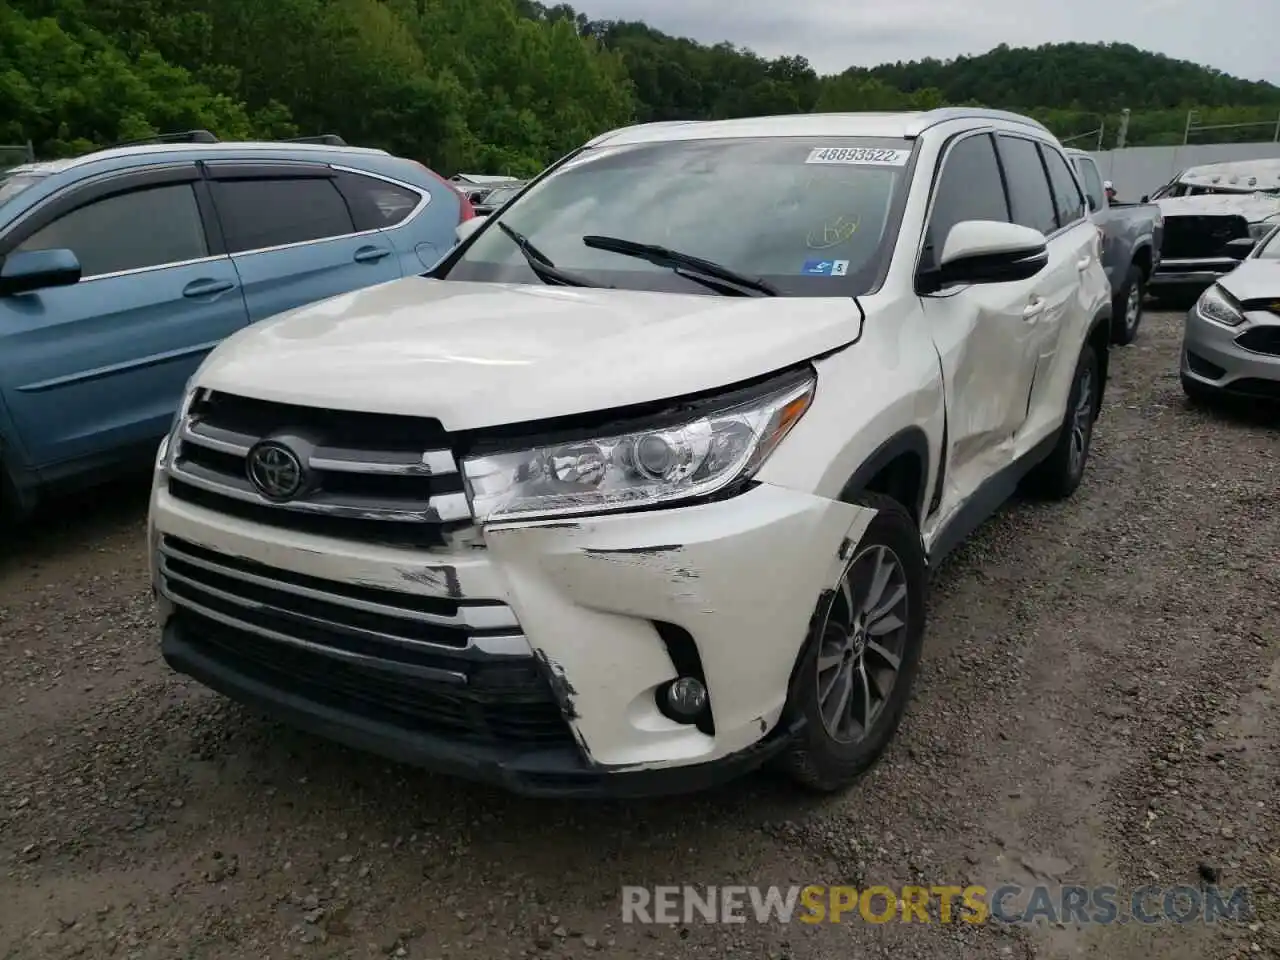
984 334
93 369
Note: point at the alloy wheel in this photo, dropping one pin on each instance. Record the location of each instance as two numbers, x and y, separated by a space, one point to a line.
862 644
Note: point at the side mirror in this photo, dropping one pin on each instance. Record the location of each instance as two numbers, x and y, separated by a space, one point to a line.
1240 248
988 251
1146 198
467 227
25 271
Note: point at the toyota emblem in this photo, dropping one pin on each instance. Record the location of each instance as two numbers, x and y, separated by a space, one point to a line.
275 470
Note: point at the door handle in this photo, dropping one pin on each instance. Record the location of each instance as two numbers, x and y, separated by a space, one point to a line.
206 287
1034 308
1083 264
371 254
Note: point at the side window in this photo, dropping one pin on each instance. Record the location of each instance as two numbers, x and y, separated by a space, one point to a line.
969 189
271 213
106 235
1092 182
375 203
1029 192
1067 198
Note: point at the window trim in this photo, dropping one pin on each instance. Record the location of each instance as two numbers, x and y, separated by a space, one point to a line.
125 185
943 156
424 200
1083 197
1044 169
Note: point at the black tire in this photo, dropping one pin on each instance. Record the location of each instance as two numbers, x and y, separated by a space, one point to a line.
1059 474
817 760
1127 307
1198 393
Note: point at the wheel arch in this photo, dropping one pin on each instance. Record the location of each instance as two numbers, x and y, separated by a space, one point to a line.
1099 337
897 468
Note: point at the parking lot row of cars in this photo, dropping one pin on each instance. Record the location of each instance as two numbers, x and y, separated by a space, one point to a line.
627 490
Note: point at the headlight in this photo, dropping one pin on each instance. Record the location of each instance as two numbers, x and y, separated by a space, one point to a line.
163 452
1217 305
638 468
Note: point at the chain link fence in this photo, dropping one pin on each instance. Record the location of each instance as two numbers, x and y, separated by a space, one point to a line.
15 154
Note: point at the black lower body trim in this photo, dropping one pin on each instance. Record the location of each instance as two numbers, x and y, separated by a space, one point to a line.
557 771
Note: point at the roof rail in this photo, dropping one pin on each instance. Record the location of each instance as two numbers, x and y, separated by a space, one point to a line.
942 114
328 139
188 136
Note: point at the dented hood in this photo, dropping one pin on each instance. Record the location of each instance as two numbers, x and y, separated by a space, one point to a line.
483 354
1252 206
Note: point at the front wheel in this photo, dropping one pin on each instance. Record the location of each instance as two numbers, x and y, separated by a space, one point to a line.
1057 476
854 677
1128 307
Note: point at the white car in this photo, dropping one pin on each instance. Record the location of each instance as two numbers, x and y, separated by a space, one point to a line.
641 488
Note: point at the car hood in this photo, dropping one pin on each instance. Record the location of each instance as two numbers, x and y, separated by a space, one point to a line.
484 354
1254 280
1252 206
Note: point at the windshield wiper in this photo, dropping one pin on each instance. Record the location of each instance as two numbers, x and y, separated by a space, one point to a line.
540 263
701 271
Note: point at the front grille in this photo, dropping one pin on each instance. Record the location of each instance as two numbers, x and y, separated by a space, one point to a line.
448 667
1200 237
371 477
1261 340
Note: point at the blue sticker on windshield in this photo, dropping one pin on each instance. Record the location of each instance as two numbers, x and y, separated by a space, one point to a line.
825 268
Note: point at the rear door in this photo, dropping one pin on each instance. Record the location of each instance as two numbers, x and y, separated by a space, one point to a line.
1060 216
92 369
293 236
984 333
1073 252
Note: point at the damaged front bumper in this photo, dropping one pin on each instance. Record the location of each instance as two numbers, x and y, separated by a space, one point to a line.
532 657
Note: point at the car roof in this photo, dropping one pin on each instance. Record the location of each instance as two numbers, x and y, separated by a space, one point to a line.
898 126
1242 174
48 167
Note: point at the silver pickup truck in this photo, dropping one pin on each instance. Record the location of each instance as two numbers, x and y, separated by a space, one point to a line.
1132 234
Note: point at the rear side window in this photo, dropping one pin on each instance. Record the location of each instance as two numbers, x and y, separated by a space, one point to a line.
970 188
128 231
1067 198
270 213
1092 182
376 204
1029 193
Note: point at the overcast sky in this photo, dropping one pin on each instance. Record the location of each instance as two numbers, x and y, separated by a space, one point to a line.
1240 37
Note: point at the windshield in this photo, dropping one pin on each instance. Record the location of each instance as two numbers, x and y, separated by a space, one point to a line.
13 184
811 217
500 196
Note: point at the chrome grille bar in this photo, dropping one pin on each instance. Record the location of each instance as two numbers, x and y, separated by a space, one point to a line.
468 617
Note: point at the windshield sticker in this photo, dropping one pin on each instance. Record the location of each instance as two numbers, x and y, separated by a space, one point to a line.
825 268
864 156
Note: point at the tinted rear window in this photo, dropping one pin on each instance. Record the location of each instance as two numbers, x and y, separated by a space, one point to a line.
271 213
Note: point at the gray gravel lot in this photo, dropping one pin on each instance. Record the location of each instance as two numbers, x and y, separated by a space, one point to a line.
1097 704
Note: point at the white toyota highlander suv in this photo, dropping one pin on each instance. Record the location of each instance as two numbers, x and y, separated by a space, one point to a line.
640 487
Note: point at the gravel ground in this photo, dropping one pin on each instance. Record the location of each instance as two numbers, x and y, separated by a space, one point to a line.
1097 704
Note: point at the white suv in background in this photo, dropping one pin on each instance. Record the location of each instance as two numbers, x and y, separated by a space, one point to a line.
640 487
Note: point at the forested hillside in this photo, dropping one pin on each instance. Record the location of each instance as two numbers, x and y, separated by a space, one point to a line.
508 85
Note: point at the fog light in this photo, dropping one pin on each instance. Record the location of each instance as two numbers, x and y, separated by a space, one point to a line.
687 697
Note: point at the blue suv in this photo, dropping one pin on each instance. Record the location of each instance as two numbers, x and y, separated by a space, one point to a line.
122 268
